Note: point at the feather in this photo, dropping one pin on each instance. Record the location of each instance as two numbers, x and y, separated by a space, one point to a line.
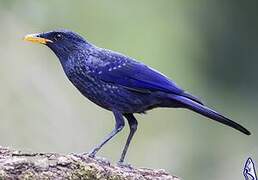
205 111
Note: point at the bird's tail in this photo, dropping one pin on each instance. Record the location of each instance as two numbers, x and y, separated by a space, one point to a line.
205 111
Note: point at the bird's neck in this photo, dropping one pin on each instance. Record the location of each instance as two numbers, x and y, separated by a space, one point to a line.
74 60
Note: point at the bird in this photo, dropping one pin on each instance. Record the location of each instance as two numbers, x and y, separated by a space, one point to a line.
119 83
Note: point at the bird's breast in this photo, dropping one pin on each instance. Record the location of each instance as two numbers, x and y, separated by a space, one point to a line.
110 96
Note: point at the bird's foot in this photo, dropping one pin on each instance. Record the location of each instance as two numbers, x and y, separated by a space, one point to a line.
85 157
92 155
93 152
102 160
80 156
124 165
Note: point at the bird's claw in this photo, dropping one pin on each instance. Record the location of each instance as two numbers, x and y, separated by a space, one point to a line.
93 152
103 160
124 165
91 155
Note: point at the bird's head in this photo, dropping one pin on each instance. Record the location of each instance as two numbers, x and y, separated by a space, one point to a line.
61 42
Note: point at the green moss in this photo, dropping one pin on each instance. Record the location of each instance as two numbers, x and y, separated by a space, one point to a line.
87 172
3 175
27 175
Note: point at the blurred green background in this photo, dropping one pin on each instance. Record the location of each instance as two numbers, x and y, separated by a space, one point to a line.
210 48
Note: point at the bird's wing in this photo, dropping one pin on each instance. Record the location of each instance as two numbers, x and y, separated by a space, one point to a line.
138 77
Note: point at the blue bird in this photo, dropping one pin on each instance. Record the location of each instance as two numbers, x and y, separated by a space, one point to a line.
119 83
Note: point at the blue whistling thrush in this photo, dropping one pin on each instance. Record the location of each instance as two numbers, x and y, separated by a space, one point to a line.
119 83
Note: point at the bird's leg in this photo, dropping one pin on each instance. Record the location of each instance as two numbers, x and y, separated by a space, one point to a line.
118 127
133 127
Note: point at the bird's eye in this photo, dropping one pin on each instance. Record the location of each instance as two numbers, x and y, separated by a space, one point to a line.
58 37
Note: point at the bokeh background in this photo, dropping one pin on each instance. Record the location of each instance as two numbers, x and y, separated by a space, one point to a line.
210 48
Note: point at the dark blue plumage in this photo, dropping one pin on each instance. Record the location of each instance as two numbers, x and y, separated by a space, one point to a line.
119 83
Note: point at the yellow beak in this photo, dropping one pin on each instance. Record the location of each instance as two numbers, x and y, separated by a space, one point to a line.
35 39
